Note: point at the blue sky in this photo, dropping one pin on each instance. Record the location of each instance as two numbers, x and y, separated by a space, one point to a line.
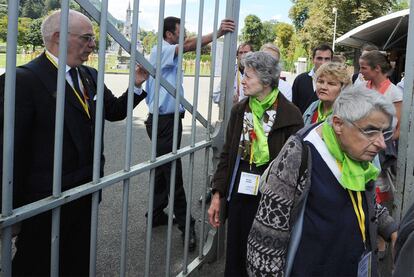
148 17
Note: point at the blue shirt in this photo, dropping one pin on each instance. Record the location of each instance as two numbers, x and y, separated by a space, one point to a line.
169 70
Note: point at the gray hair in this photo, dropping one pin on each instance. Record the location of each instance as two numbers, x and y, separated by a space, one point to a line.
51 24
266 67
357 102
273 49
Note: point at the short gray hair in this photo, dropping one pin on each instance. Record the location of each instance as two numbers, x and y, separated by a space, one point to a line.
357 102
266 67
51 24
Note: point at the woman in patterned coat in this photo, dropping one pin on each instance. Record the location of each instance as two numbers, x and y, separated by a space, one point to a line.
318 215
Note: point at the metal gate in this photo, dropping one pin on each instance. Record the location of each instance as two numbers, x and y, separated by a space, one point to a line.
210 241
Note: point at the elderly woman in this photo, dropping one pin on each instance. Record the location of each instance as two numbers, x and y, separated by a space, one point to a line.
258 128
374 66
317 215
331 78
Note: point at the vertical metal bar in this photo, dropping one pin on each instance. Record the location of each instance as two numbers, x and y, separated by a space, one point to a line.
213 67
177 119
193 134
57 163
405 183
8 135
97 151
154 136
128 144
229 55
208 130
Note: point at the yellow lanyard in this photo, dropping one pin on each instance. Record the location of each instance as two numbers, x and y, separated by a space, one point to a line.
82 101
358 209
238 82
359 212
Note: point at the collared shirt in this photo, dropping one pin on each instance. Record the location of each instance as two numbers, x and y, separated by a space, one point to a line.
169 70
137 90
311 73
67 75
238 88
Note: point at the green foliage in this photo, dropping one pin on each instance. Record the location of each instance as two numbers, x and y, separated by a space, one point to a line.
34 36
32 8
52 5
284 33
253 31
3 8
22 29
314 20
400 5
269 31
299 13
149 41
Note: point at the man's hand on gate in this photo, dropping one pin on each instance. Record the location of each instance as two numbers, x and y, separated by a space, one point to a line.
227 25
140 75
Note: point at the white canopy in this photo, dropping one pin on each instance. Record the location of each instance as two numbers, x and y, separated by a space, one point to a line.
388 31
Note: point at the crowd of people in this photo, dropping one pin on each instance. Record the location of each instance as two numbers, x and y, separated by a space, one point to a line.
296 172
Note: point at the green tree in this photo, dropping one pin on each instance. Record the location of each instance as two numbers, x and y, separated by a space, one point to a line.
32 8
34 36
299 13
52 5
400 5
284 33
3 8
317 26
253 31
149 41
269 31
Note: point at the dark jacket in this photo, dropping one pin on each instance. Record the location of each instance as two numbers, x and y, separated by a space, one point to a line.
283 198
34 133
302 91
288 121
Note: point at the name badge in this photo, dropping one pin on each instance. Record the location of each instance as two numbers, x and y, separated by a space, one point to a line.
249 183
364 265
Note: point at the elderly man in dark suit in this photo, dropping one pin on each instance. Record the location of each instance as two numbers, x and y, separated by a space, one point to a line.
36 89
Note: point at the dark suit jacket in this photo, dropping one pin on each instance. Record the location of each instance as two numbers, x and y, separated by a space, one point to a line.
35 128
302 92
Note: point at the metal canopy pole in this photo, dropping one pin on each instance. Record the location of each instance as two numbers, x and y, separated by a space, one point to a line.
404 195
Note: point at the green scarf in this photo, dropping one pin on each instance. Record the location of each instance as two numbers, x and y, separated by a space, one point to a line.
354 174
259 145
321 116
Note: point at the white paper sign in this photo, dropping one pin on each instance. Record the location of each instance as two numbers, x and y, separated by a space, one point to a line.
249 183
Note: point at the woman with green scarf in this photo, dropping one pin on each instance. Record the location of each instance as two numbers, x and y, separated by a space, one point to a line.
331 78
257 130
318 215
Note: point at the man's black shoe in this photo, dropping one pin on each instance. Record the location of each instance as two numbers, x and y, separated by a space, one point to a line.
161 221
192 239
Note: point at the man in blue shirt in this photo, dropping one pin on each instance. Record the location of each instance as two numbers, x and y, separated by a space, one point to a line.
166 107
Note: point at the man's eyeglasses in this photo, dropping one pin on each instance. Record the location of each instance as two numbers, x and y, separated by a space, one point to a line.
373 134
86 37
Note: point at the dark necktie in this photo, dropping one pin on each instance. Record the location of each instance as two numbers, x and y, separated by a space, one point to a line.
74 75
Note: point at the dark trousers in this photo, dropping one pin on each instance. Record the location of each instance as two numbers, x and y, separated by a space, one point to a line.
163 173
242 209
33 242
